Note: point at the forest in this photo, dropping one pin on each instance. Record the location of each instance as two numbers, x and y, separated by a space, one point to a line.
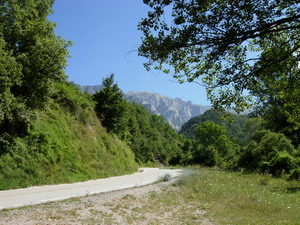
51 132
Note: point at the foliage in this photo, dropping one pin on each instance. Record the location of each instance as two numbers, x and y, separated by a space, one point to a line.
151 138
279 88
235 124
13 115
61 147
110 105
210 133
238 142
217 148
272 153
72 100
148 135
253 127
30 40
32 58
206 156
277 121
238 49
295 174
49 132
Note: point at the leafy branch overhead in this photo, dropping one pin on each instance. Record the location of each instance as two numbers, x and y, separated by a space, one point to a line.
236 48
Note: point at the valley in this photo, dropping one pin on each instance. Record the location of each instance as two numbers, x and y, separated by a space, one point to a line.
72 154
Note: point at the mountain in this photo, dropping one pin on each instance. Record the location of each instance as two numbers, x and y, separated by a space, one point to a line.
175 111
90 89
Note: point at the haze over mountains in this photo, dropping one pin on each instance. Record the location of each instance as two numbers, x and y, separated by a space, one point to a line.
175 111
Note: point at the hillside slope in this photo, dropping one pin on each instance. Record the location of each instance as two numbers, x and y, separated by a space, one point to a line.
65 143
234 123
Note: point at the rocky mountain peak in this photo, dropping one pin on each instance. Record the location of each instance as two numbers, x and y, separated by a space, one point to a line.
175 111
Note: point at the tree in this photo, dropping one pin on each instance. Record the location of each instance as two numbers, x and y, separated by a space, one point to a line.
217 146
110 106
32 58
269 152
30 39
242 51
232 122
13 115
209 133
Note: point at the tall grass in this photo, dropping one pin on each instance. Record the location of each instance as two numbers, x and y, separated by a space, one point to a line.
64 147
211 196
236 198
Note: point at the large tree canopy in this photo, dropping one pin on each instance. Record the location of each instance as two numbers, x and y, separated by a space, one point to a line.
32 57
242 51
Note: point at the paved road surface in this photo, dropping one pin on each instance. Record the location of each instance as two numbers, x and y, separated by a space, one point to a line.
42 194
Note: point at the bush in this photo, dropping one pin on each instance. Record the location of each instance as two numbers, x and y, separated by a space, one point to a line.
247 158
295 174
273 154
282 163
59 149
206 156
69 96
152 139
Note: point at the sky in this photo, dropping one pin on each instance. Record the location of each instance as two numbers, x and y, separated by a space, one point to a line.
105 40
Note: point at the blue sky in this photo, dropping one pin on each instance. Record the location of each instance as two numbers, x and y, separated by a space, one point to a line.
105 40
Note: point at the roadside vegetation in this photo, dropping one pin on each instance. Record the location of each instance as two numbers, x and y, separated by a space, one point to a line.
50 132
240 143
65 143
247 57
205 196
212 196
150 137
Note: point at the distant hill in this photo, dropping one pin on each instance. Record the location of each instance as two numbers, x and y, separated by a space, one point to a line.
234 123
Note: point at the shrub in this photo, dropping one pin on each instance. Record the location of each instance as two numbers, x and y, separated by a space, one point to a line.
206 156
247 158
282 163
273 154
69 96
295 174
166 177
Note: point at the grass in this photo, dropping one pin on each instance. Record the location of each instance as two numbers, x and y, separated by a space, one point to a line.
60 148
218 197
202 196
233 198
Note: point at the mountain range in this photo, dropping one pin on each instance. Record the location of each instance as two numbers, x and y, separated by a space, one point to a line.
175 111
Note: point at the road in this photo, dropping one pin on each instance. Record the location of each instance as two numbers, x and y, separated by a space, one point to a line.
42 194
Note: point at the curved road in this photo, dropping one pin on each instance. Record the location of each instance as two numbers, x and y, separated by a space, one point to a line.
42 194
